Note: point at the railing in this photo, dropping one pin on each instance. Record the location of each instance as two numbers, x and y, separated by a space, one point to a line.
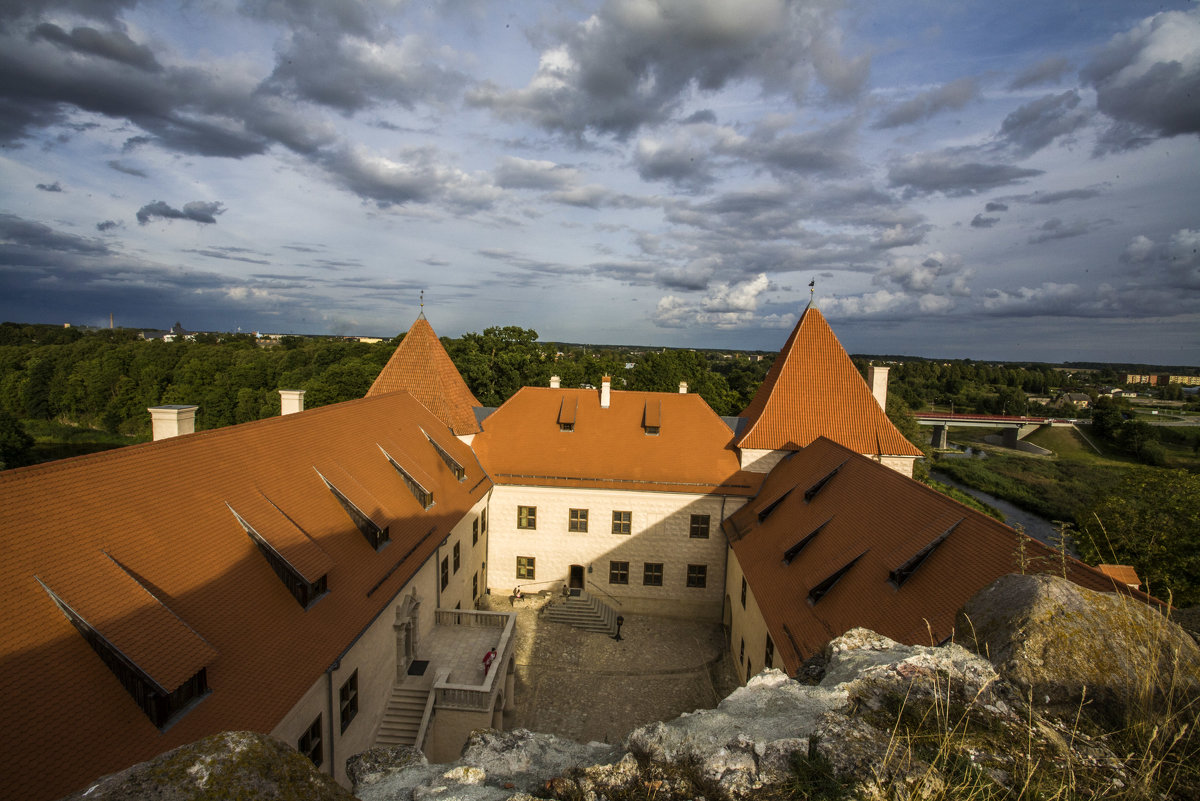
469 617
471 697
428 715
609 594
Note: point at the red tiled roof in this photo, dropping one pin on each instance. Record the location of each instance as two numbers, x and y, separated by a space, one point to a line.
869 511
813 390
141 542
1122 573
421 367
523 443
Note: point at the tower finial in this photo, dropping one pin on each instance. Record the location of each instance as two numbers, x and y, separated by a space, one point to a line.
422 314
812 288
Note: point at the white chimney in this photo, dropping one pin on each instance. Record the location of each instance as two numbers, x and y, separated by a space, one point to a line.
291 401
554 382
171 421
877 377
605 391
682 387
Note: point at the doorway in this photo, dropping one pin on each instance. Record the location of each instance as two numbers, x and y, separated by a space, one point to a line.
576 581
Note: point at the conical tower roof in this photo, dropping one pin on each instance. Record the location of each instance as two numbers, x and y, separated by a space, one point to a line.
814 390
422 367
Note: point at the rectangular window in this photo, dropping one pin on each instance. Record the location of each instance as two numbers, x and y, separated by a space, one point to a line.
652 430
526 517
697 575
475 531
618 572
445 571
348 700
457 557
525 568
474 586
578 520
566 426
483 522
769 658
743 592
622 522
652 573
699 527
742 651
310 743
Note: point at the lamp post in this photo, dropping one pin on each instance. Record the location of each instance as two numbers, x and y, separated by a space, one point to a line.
620 622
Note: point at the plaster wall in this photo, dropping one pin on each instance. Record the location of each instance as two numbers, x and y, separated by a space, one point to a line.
659 534
747 629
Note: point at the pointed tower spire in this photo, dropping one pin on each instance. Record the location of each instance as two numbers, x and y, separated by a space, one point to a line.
814 390
421 367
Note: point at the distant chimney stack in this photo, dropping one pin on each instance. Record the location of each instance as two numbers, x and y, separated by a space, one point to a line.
682 387
877 377
291 401
171 421
605 391
554 382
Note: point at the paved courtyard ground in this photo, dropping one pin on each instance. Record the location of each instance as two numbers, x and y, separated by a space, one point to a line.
589 687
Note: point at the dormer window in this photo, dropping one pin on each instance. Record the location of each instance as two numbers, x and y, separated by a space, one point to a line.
376 536
423 496
904 572
566 413
457 469
305 592
794 551
811 492
821 590
652 418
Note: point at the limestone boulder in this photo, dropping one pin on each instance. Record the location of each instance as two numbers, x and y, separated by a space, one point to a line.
222 766
1065 644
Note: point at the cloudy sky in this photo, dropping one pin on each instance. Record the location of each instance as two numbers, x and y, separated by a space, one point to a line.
961 178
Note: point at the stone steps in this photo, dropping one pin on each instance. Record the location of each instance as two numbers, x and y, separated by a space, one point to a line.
583 612
402 720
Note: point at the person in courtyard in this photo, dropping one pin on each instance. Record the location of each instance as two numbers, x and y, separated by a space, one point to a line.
488 658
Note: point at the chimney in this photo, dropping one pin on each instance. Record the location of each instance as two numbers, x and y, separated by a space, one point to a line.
554 382
605 391
291 401
877 377
171 421
682 387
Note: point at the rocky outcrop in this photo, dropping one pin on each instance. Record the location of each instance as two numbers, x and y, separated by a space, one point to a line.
230 765
1068 646
885 720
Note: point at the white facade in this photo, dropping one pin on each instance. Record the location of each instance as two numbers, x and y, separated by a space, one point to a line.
660 535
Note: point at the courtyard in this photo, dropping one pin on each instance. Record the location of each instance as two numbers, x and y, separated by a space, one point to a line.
589 687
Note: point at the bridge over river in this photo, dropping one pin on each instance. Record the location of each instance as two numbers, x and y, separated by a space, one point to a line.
1012 428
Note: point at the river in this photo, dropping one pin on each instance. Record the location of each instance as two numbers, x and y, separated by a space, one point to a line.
1039 528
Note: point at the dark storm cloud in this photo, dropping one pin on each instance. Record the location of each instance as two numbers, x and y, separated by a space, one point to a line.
355 17
197 211
682 161
107 225
1054 228
1142 83
415 175
1035 125
1050 198
54 187
939 172
92 9
112 45
18 234
1049 70
950 96
119 167
979 221
228 254
995 205
611 74
350 74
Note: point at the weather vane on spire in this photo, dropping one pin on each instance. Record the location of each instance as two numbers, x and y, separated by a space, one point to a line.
812 287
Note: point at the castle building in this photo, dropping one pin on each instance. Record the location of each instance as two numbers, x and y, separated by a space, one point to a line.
316 575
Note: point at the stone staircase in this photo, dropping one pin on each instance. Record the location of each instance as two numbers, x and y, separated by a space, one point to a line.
583 612
402 719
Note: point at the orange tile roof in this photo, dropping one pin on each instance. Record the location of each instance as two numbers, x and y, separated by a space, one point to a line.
523 443
141 542
869 511
421 366
813 390
1122 573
